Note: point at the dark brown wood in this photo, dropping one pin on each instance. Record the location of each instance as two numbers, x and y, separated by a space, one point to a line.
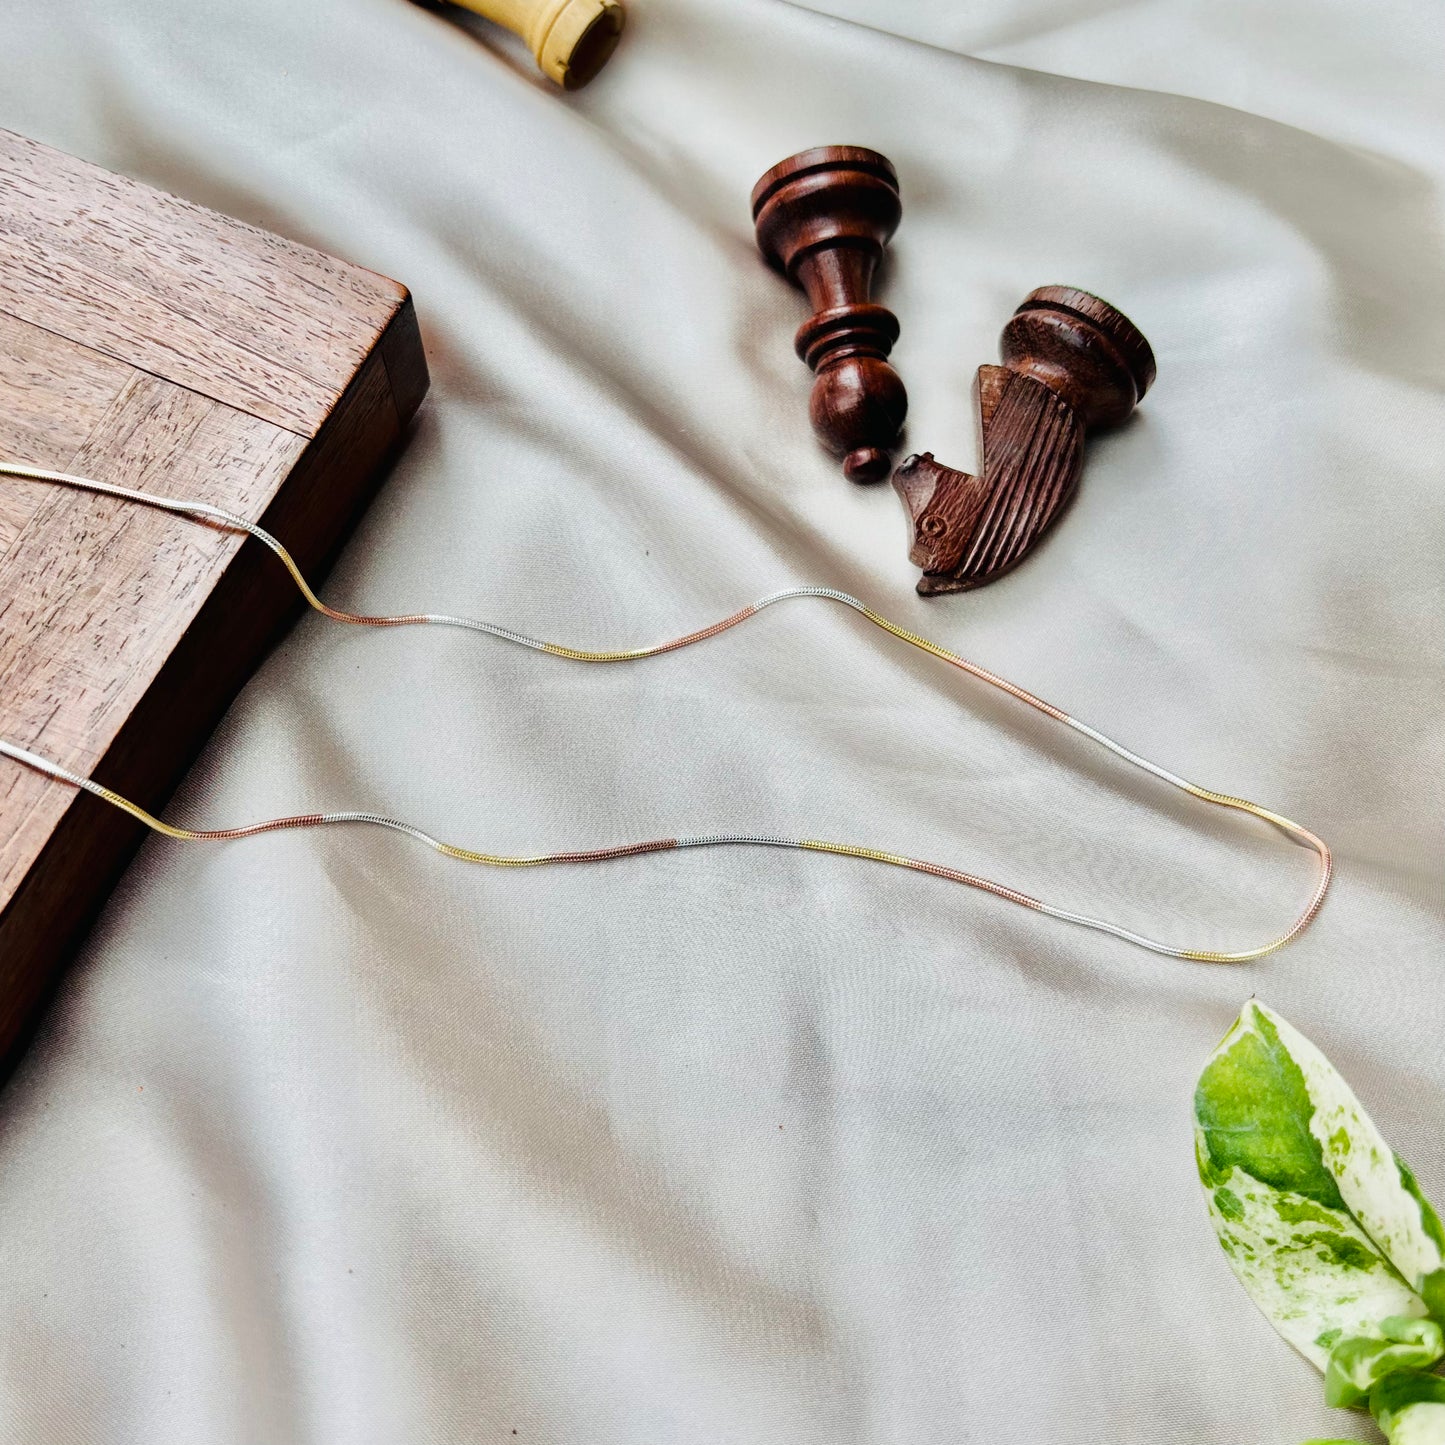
1072 363
823 218
148 342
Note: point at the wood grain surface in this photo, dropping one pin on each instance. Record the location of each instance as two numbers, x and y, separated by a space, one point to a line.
149 342
1072 363
822 218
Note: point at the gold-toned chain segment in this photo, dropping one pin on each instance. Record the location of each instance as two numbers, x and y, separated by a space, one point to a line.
218 517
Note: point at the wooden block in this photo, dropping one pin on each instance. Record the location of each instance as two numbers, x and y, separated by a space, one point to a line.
149 342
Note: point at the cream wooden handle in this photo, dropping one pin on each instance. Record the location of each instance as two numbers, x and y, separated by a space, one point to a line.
571 39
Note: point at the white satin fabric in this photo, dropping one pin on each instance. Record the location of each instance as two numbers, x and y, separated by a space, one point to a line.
331 1141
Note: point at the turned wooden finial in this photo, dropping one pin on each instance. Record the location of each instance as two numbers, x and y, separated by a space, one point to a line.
823 217
1072 363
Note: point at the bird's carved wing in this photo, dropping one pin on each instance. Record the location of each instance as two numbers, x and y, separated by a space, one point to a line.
969 530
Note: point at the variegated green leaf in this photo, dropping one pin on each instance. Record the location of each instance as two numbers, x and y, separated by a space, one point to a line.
1359 1362
1324 1227
1411 1409
1374 1182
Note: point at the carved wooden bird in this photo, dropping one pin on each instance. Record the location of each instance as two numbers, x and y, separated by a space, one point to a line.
1072 363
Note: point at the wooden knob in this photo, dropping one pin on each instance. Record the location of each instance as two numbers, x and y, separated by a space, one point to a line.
823 218
1084 349
1072 363
571 40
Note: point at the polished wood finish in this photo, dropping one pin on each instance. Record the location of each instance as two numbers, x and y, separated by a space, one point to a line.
1072 363
571 40
151 343
823 218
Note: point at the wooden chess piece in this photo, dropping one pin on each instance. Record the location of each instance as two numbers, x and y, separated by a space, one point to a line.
571 40
1072 363
823 217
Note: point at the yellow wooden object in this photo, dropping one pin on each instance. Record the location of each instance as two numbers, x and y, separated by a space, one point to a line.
571 39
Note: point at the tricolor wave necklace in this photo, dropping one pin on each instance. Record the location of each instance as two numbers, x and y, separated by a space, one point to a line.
206 514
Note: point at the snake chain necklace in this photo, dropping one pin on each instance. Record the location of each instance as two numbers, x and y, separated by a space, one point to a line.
217 517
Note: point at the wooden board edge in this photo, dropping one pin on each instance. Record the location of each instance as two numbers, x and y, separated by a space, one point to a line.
176 336
250 607
404 356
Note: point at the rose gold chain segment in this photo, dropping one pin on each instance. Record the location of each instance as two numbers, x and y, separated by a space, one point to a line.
218 517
